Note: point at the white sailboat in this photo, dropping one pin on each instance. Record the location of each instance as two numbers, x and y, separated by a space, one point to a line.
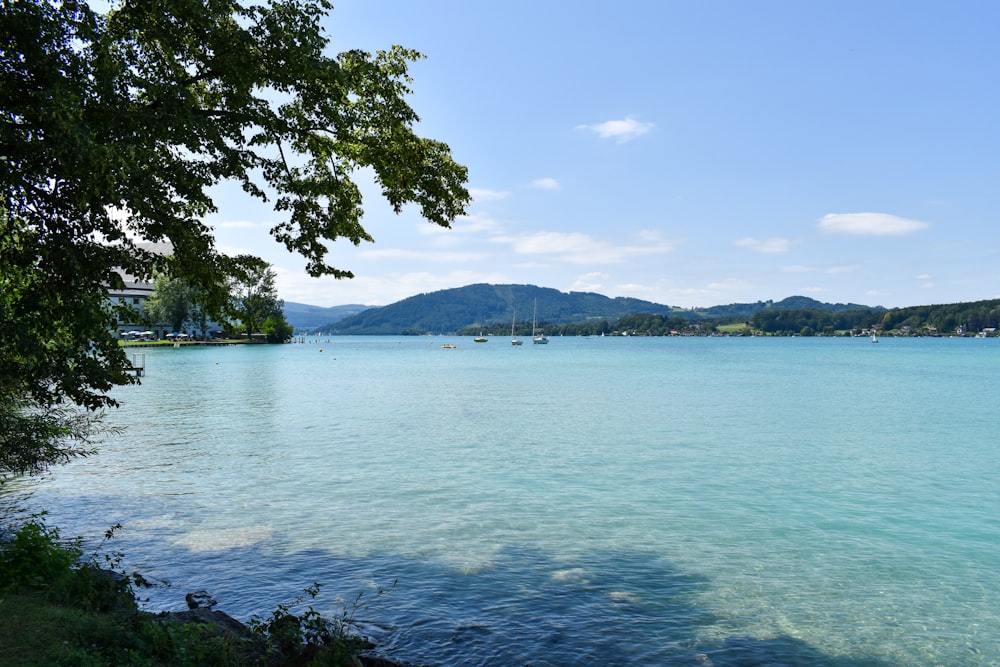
513 339
537 338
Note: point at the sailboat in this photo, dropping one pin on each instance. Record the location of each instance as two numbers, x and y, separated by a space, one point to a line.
874 335
514 340
537 338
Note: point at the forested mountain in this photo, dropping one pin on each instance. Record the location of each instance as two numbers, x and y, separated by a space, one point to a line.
492 307
482 305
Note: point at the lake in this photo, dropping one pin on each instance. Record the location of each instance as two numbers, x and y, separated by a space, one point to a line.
653 501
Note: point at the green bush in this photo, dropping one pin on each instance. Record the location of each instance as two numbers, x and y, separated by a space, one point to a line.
309 637
35 558
58 607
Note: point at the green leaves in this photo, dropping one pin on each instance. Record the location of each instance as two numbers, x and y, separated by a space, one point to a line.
173 302
115 127
254 297
32 438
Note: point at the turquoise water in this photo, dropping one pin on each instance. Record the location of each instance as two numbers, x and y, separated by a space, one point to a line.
655 501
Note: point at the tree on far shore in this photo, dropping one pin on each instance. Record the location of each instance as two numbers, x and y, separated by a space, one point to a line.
276 329
254 295
172 302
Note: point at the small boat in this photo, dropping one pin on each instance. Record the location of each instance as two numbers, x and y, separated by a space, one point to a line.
537 338
449 346
513 339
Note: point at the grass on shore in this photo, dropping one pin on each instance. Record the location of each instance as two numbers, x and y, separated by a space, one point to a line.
738 327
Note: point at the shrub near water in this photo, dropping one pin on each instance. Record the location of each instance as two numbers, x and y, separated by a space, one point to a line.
34 558
58 609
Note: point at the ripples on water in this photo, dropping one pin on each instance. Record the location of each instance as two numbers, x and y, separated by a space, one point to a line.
615 501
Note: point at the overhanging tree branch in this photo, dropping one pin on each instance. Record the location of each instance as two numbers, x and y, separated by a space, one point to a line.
147 107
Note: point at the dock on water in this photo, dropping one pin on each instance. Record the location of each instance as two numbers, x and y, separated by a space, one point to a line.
138 364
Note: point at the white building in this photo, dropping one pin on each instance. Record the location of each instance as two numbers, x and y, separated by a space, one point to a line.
137 292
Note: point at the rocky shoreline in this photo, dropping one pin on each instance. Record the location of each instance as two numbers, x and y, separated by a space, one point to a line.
200 611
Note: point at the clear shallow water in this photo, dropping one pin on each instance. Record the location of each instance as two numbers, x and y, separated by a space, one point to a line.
596 500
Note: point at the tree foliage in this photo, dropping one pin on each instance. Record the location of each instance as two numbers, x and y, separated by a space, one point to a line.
276 329
115 127
33 437
971 316
172 302
794 321
253 294
943 318
656 325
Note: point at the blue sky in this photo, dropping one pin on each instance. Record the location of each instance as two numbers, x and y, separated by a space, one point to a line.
687 153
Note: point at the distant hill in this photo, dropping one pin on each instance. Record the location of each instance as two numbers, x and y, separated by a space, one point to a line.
306 318
747 310
482 305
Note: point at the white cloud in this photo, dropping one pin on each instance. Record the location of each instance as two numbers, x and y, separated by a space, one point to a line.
422 255
233 250
466 224
480 194
772 245
660 290
472 224
579 248
374 290
622 130
590 282
654 236
553 243
729 285
545 184
630 289
869 224
844 268
665 292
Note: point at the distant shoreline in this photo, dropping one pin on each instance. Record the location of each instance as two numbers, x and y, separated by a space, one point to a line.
170 343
